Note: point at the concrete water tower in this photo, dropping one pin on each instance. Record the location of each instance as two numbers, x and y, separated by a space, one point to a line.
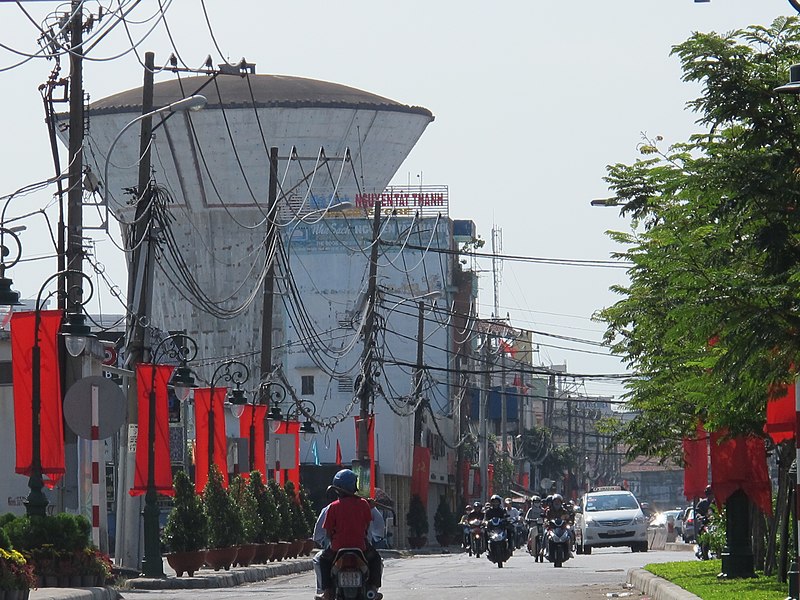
214 164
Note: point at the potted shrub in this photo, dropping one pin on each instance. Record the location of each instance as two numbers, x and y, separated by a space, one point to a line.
445 523
223 521
310 519
245 503
417 518
185 534
266 517
283 527
16 574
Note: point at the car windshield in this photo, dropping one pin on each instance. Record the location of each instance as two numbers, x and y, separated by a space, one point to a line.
610 502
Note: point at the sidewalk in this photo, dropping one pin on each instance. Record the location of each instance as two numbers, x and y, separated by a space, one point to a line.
203 579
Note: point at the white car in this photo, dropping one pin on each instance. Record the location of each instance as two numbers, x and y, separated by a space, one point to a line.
610 517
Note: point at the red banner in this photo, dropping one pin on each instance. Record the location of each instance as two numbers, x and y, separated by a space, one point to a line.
253 417
205 418
490 480
151 386
293 475
421 474
51 418
741 463
695 470
781 413
338 454
370 450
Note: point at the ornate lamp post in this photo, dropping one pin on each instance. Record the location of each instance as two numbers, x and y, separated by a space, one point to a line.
183 349
75 333
231 371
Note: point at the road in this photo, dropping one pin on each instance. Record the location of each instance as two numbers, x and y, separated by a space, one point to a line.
459 577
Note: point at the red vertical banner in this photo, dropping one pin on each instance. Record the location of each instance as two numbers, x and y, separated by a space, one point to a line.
370 451
695 470
338 454
490 480
292 428
741 464
151 388
51 417
421 474
253 418
780 413
203 418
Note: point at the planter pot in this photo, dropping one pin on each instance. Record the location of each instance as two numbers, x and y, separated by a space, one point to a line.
75 581
295 548
186 562
308 546
14 594
50 581
417 541
63 581
246 554
221 558
263 553
280 550
444 540
91 581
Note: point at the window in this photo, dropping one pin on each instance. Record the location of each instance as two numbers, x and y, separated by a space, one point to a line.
307 385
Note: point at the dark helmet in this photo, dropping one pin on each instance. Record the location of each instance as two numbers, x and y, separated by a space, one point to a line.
557 497
331 494
495 499
477 505
709 490
535 498
346 481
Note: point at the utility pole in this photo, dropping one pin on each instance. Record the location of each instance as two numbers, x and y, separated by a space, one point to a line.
418 412
483 417
74 245
269 294
503 404
140 276
365 387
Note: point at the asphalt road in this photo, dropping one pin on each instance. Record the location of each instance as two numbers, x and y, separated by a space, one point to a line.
459 577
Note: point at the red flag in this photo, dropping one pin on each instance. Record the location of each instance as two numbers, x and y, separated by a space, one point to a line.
741 464
251 427
51 416
153 379
781 413
420 476
338 454
490 479
203 420
695 471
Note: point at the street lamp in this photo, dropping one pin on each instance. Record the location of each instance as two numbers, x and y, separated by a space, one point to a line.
182 348
234 372
8 297
36 503
192 103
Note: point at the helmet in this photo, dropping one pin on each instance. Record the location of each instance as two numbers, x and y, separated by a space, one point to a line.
331 494
558 497
507 501
477 505
709 490
496 499
346 481
535 498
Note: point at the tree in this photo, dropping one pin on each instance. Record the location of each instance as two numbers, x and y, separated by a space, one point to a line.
284 520
222 517
296 518
186 528
245 501
709 319
267 510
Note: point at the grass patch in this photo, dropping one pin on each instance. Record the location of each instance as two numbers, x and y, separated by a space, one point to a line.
700 578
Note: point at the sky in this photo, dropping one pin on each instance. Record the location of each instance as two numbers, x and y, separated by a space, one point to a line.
532 100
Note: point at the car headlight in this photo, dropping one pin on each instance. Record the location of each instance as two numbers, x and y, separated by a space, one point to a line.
639 520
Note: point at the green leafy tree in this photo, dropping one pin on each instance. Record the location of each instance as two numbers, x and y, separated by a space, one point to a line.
309 516
417 517
222 516
186 528
445 522
709 319
267 510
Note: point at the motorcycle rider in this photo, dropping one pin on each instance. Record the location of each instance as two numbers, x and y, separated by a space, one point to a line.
476 513
514 521
321 537
347 523
497 511
703 514
534 518
464 523
558 509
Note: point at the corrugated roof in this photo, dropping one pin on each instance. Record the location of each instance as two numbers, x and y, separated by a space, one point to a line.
233 91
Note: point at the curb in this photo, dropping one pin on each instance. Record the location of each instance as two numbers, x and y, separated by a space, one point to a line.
94 593
656 587
220 579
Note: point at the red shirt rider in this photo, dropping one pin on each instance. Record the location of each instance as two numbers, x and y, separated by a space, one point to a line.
347 522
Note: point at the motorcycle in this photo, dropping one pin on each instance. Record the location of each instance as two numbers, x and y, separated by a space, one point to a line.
703 551
350 574
557 542
520 533
499 547
535 536
476 544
